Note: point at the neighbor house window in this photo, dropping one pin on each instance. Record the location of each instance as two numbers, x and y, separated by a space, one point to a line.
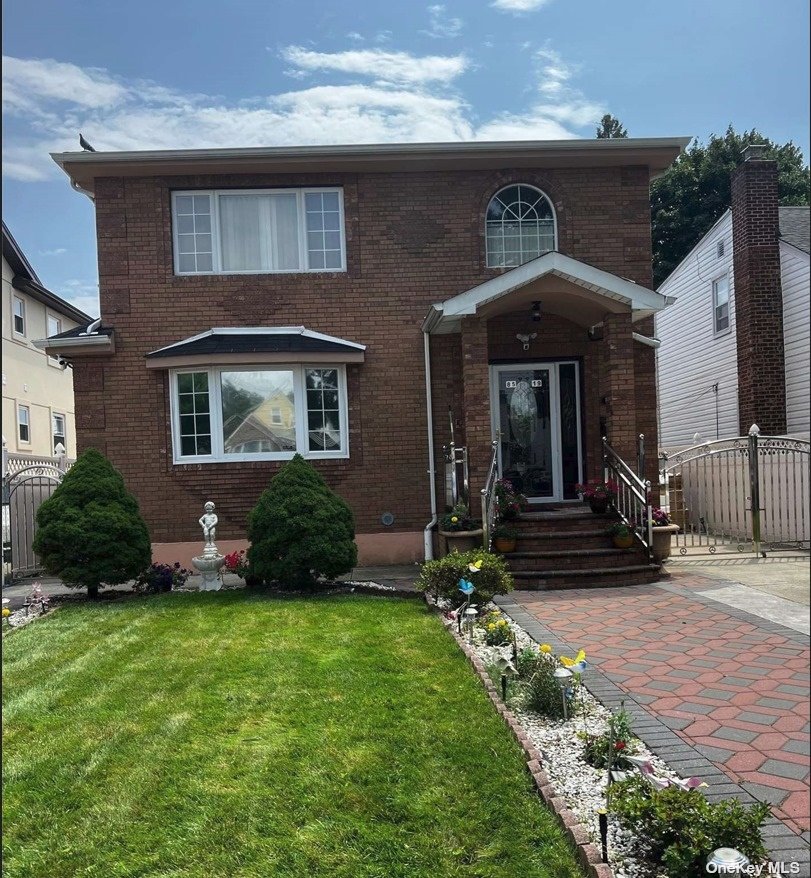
258 231
54 328
260 413
720 301
24 423
19 315
59 434
520 226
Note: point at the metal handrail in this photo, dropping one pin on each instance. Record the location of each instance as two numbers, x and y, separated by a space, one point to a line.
633 500
488 493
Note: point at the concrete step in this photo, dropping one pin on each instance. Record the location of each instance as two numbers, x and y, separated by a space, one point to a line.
563 539
599 577
576 559
581 519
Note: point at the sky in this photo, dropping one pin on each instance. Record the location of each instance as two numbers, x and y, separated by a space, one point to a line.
180 74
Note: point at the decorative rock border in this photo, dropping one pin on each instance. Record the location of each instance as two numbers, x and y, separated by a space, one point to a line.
587 853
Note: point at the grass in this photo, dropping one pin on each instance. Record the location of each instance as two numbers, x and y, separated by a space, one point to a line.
238 736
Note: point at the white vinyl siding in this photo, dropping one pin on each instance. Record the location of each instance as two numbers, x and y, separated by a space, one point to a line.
692 357
258 231
794 274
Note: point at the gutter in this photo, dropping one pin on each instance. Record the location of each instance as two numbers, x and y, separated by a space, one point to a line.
646 340
428 540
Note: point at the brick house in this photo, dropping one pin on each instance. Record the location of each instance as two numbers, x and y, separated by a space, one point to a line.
376 288
735 345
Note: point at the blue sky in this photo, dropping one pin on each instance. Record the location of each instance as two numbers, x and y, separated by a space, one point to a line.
158 75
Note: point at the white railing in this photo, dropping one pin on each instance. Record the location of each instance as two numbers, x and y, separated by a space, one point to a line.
633 496
489 499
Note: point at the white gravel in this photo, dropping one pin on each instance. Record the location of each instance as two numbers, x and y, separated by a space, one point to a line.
563 756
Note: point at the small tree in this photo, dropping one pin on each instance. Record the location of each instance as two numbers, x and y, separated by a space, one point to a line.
90 532
300 530
610 128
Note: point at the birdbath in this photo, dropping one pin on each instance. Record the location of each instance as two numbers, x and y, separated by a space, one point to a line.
208 564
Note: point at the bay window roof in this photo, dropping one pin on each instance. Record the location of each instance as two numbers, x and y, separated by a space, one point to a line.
256 345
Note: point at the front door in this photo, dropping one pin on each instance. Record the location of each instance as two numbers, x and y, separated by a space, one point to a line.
536 417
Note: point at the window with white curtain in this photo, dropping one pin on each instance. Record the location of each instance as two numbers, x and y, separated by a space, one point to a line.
258 231
520 226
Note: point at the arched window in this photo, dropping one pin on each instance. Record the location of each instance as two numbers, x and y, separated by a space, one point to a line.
520 226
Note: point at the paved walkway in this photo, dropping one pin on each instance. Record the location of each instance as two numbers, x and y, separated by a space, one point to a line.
715 690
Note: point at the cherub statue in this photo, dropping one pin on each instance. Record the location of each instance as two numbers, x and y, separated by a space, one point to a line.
208 522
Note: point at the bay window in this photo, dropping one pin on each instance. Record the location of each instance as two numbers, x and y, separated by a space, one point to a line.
267 412
258 231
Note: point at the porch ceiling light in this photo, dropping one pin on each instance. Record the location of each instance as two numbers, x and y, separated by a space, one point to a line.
536 312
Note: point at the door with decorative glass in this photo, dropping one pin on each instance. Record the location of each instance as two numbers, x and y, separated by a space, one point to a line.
536 417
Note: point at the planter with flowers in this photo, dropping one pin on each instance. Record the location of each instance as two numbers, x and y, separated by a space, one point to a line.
458 531
504 538
663 531
622 535
509 502
599 495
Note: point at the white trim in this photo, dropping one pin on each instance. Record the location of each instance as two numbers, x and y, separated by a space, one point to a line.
552 367
719 333
74 341
24 316
713 227
446 316
261 330
216 250
647 340
495 195
27 407
218 454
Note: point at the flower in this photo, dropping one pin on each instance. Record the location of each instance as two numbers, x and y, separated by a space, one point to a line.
6 612
454 518
619 745
545 648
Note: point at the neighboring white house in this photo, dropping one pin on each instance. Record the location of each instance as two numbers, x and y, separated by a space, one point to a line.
697 366
38 408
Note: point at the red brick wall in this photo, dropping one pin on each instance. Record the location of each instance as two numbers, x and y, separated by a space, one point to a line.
412 239
758 297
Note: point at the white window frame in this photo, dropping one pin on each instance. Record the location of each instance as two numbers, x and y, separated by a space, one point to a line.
20 409
24 316
487 252
216 253
53 361
218 454
54 416
728 328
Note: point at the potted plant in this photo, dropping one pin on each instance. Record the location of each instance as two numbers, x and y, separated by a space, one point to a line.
504 538
509 502
599 495
622 535
663 531
459 530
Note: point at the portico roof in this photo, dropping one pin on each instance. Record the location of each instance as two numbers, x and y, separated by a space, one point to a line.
576 290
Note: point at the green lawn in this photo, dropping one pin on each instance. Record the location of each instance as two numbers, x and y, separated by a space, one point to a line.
233 735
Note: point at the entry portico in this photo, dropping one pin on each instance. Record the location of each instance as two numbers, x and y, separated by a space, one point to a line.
548 357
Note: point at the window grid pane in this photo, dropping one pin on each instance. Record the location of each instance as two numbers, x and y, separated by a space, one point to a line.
19 316
323 229
193 402
520 226
193 231
323 413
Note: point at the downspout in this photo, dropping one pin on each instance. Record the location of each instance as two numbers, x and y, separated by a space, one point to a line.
428 540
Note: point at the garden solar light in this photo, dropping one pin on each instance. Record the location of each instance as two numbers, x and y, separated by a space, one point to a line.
563 676
470 620
726 861
507 669
602 819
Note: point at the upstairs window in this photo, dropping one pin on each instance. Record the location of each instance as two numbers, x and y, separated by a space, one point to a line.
59 433
720 302
18 306
520 226
24 423
54 328
258 231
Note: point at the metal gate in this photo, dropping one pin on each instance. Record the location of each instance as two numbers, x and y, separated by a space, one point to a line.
23 493
746 494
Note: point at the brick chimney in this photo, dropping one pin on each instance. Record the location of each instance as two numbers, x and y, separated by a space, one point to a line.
758 296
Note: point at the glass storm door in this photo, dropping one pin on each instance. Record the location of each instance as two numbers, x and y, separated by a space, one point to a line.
536 416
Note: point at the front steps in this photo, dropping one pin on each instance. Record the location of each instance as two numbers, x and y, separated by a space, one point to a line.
566 546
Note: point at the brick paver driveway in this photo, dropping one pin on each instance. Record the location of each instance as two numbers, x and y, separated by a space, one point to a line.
733 687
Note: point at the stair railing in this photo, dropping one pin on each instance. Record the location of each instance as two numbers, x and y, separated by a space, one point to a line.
633 496
489 504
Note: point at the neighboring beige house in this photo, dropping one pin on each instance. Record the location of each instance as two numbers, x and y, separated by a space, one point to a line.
38 408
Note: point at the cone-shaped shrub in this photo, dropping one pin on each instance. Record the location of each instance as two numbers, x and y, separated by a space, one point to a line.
90 532
300 530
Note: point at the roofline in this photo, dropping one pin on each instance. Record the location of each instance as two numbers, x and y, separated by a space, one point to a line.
788 243
260 330
16 252
655 152
697 244
49 299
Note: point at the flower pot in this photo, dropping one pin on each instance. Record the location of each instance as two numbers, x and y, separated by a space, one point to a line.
460 540
623 542
661 541
598 505
505 544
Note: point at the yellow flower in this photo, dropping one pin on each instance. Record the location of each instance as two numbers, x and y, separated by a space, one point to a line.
454 519
545 648
6 612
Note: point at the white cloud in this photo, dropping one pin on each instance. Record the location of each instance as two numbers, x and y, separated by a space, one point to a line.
355 36
441 24
57 252
84 295
386 97
519 6
394 67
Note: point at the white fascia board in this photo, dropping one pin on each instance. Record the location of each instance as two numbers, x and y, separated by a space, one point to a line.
72 342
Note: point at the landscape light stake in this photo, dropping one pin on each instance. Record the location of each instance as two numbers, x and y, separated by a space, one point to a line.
602 818
563 676
504 688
